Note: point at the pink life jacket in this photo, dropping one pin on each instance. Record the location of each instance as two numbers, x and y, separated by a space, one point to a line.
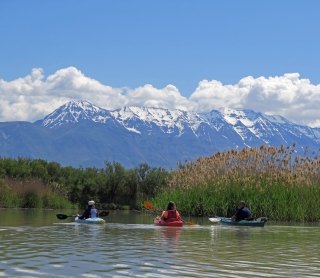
172 216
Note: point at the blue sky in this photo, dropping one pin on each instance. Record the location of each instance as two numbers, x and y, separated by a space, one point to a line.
125 45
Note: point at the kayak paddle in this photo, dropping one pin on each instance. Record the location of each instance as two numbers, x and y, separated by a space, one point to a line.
215 219
64 216
148 205
103 213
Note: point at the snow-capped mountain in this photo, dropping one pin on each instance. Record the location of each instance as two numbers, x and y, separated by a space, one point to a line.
74 112
136 119
129 117
82 134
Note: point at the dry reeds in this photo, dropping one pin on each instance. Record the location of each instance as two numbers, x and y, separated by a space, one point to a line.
30 193
275 182
274 164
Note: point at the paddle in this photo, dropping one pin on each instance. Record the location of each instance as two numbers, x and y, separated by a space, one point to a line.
64 216
148 205
103 213
215 219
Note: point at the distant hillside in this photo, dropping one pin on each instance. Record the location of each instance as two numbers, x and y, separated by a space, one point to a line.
81 134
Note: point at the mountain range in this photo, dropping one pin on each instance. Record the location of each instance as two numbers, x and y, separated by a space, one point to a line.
81 134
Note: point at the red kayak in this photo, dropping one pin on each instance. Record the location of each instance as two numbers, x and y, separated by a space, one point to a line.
174 223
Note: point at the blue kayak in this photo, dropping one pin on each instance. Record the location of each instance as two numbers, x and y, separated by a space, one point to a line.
95 220
259 222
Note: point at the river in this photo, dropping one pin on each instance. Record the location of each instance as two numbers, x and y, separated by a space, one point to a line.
34 243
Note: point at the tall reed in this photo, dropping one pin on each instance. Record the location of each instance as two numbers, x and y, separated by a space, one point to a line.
30 194
273 181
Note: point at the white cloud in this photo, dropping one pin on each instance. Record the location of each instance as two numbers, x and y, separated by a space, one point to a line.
168 97
34 96
288 95
213 94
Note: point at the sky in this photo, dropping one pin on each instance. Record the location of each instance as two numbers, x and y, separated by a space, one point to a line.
195 55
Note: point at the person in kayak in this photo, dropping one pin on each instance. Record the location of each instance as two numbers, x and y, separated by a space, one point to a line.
242 213
171 214
90 212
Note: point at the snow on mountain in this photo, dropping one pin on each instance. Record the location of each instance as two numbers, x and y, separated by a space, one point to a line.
249 125
74 112
82 134
169 121
244 122
277 119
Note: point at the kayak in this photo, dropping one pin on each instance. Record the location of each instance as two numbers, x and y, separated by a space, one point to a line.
259 222
95 220
176 223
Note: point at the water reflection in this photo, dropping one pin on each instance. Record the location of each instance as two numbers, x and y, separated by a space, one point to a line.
168 233
124 248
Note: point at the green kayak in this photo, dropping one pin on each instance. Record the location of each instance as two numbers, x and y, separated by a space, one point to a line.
259 222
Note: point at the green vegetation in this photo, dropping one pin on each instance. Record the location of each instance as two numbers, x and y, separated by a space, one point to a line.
272 181
30 194
42 184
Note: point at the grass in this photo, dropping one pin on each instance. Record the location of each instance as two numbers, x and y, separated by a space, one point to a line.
273 181
15 193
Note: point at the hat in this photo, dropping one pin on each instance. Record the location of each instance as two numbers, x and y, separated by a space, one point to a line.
90 203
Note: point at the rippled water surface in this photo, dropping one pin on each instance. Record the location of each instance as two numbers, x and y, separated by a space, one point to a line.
36 244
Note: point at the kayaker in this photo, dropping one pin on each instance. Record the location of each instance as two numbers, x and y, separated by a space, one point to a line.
90 212
242 212
171 214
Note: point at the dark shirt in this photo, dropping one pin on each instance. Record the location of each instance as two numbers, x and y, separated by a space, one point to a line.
242 213
87 213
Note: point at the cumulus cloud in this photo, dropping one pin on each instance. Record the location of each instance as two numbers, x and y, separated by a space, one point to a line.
213 94
149 96
34 96
288 95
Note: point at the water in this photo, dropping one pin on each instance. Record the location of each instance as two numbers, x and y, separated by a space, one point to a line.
36 244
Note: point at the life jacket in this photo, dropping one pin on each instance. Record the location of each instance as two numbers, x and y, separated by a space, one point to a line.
87 213
93 213
172 216
242 214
